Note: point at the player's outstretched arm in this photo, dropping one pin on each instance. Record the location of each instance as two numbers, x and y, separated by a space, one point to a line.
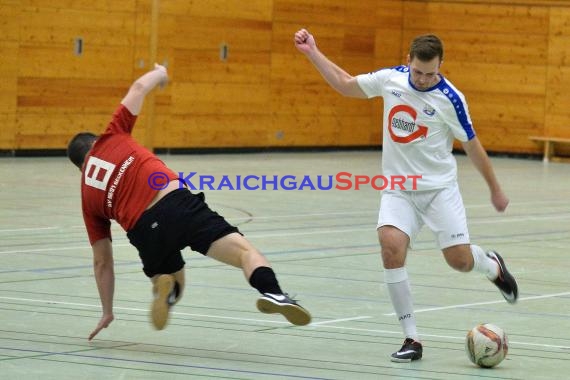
142 86
480 160
335 76
105 278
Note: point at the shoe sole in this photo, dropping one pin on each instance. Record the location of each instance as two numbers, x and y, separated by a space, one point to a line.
293 313
160 307
513 296
398 360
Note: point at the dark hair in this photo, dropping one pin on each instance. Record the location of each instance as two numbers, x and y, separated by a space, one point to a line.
426 47
79 146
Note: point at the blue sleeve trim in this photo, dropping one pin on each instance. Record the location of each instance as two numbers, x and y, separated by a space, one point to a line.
401 68
459 107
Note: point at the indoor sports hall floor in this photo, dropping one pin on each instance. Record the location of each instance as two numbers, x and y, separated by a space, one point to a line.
322 244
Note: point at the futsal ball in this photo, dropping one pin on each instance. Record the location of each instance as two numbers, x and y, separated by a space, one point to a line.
486 345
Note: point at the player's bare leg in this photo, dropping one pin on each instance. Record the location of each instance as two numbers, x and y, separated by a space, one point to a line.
394 245
466 257
235 250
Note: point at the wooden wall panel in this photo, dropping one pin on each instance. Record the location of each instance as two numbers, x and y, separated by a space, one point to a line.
8 76
557 122
212 131
49 61
307 111
503 122
9 34
9 20
60 93
252 95
7 135
497 48
206 66
220 99
53 129
209 95
85 5
484 17
510 58
227 9
58 26
310 12
542 3
496 78
497 55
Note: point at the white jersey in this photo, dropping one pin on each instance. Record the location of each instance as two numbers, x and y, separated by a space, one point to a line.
419 126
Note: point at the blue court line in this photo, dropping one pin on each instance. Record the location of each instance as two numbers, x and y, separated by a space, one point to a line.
291 251
49 353
48 270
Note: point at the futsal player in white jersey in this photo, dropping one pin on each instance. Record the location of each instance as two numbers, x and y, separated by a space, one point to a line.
423 114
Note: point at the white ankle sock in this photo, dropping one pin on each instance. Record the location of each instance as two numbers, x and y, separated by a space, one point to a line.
483 264
399 289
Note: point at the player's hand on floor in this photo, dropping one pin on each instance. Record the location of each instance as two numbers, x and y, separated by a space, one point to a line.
104 322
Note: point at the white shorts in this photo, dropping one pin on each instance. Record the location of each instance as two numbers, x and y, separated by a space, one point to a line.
442 210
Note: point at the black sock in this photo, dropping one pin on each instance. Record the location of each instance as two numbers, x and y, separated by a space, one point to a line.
263 279
176 289
173 296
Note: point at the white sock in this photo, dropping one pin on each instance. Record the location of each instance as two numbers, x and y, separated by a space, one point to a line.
399 289
483 264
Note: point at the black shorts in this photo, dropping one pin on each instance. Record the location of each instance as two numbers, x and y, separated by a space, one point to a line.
179 220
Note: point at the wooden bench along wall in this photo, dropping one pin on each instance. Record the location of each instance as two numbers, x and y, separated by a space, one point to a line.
509 58
549 144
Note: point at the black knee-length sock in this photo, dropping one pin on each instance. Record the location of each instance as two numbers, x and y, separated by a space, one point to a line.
263 279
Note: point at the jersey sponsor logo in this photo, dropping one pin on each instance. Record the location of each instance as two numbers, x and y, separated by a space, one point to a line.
428 110
402 129
396 93
113 187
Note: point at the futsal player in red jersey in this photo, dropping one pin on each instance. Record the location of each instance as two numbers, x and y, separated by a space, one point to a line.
159 223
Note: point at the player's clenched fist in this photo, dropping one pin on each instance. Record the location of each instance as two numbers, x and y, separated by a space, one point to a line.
304 41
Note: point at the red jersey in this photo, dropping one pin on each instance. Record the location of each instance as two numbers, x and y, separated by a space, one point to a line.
114 183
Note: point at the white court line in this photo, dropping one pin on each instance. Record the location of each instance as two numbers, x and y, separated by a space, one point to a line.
340 320
503 219
507 219
249 235
301 215
58 248
323 231
175 312
446 337
317 324
363 212
483 303
143 310
30 229
372 228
